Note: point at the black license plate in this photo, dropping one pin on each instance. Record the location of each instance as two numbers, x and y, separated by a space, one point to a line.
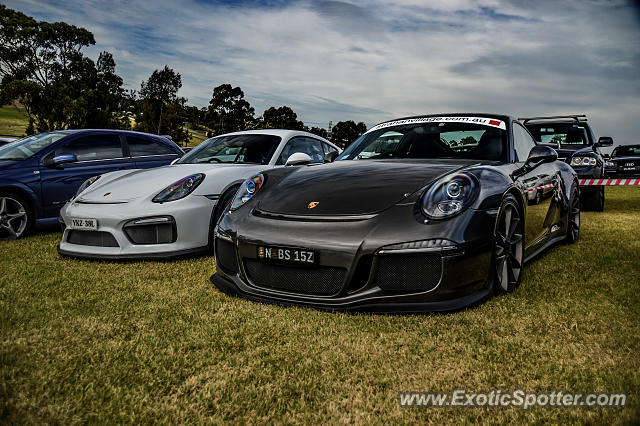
288 255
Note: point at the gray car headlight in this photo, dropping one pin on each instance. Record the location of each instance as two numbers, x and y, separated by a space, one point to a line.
87 183
247 190
179 189
450 195
583 161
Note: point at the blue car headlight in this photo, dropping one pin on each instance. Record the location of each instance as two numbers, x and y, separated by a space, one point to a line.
87 183
247 190
450 195
179 189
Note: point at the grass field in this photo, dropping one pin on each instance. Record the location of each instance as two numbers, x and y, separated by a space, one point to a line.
13 121
98 342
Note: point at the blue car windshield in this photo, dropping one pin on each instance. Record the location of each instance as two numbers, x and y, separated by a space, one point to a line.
243 148
29 146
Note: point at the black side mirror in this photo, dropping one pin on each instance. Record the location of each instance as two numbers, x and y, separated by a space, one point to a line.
603 141
541 154
60 159
330 157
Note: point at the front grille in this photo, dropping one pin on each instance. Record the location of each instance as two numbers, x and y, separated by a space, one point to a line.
226 256
408 272
92 238
323 280
151 234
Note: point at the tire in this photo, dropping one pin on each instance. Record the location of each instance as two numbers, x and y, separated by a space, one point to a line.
593 200
16 216
573 218
508 247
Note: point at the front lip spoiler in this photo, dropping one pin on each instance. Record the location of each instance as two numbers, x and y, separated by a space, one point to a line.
172 255
452 305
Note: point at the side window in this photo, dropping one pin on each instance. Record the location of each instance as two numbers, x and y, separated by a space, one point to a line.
328 148
309 146
94 147
522 142
139 147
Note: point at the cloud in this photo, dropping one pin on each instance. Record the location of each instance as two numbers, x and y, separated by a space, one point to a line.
373 60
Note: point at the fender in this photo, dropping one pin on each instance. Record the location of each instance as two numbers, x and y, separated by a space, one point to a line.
24 190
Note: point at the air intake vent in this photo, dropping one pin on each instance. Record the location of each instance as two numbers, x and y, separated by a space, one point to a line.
409 272
322 280
91 238
226 256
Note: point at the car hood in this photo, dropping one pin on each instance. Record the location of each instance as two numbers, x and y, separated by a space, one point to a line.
568 152
127 185
624 159
352 187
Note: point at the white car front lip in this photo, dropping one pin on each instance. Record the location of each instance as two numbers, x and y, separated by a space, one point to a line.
192 216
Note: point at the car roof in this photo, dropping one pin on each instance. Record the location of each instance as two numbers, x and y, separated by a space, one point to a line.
133 132
283 133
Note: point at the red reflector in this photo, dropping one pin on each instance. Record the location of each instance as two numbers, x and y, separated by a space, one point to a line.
494 122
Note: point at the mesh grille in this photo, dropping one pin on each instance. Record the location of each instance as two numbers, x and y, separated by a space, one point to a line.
92 238
322 280
226 256
412 272
151 234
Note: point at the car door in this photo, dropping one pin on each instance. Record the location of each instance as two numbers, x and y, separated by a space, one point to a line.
541 185
311 147
147 152
97 153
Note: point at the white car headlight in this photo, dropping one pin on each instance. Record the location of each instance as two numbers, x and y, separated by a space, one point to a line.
583 161
87 183
179 189
450 195
610 164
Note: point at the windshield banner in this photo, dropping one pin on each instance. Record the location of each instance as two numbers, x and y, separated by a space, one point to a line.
491 122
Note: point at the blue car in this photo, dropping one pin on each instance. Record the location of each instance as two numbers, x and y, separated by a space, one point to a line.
40 173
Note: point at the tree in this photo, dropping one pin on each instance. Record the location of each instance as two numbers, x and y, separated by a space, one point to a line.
229 111
345 132
281 118
319 131
41 64
159 109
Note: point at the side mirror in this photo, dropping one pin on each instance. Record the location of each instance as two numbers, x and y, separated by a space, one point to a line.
331 156
603 141
61 159
298 159
541 154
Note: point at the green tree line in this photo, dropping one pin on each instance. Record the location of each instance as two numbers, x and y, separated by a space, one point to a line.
43 67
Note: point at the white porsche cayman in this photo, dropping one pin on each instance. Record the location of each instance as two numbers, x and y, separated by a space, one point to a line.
170 211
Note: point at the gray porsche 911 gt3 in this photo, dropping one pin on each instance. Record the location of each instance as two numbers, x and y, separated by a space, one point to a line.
426 213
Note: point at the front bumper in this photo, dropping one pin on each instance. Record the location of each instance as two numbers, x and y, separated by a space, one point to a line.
356 271
191 219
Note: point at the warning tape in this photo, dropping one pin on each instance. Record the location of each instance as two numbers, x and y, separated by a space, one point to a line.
536 188
609 182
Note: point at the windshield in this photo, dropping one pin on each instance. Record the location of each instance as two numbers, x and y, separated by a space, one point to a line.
25 148
568 135
248 149
626 151
433 139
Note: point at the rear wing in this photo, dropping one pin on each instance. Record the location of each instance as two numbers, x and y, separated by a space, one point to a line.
576 117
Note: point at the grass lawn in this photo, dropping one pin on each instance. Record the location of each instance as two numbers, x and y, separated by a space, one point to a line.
99 342
13 121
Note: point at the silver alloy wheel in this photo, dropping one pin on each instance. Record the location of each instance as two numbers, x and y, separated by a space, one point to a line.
509 248
13 218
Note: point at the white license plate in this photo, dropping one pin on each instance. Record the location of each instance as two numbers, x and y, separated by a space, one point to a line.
79 223
629 168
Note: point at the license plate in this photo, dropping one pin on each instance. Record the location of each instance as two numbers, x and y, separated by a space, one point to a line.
78 223
629 168
297 256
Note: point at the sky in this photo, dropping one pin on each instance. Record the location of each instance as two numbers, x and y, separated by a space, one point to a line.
376 60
